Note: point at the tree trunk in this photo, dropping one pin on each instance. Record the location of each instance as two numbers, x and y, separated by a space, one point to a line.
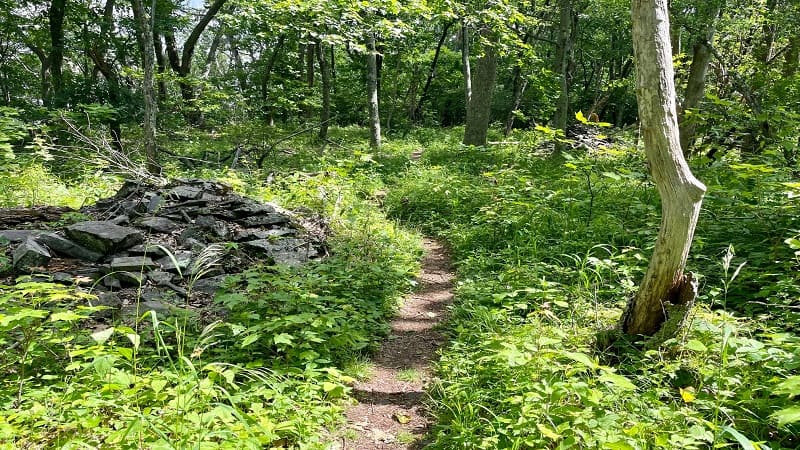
98 54
416 114
792 56
465 64
372 93
238 65
210 65
483 81
150 106
161 64
695 89
325 75
519 85
308 110
182 65
563 64
765 51
55 17
664 284
695 86
270 113
267 108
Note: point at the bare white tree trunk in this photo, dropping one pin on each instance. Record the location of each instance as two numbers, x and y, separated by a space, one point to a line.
664 284
372 91
465 64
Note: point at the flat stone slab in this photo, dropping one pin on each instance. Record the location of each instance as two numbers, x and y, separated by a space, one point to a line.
133 264
209 285
160 278
186 192
129 278
103 236
253 209
65 247
264 220
288 251
182 258
18 236
152 250
251 235
158 224
30 254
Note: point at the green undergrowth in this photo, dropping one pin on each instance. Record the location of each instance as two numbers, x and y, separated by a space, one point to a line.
550 250
272 372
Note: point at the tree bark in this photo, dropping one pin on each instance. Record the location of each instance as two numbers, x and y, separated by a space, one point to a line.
308 110
161 65
664 283
416 113
266 78
465 67
325 75
182 65
695 86
483 81
563 66
150 106
372 93
792 57
210 65
98 53
238 65
519 84
55 17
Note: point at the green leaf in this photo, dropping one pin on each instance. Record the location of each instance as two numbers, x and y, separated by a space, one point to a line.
102 365
696 345
333 389
740 438
157 385
548 432
66 316
125 352
790 386
620 381
249 339
619 445
283 338
581 358
103 335
787 415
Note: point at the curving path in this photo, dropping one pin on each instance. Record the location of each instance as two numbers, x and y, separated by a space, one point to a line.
390 414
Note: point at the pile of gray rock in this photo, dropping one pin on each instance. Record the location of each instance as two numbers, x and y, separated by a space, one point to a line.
176 241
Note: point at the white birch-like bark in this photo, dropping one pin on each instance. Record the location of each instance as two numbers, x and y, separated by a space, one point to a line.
681 193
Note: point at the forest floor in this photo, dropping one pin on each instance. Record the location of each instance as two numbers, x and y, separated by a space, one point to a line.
390 413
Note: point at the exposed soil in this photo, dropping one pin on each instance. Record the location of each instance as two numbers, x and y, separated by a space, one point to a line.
390 411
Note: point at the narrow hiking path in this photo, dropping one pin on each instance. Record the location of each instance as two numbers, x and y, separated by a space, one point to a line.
390 414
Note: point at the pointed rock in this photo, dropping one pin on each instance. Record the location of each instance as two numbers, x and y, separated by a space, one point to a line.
30 254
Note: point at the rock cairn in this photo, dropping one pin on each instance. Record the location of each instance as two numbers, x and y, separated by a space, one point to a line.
152 243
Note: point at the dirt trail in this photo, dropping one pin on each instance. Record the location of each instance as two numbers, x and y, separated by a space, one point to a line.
390 414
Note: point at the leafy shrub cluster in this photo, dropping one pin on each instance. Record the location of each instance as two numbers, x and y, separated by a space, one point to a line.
549 251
